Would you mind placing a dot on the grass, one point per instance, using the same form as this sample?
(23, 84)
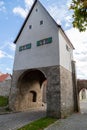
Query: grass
(3, 101)
(39, 124)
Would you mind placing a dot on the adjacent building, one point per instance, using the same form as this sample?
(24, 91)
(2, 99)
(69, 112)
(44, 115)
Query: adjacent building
(5, 84)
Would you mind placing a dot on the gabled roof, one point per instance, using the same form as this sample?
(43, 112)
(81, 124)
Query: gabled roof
(25, 21)
(51, 18)
(3, 77)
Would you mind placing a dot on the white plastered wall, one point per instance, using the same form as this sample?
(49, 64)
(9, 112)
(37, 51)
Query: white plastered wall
(66, 56)
(42, 56)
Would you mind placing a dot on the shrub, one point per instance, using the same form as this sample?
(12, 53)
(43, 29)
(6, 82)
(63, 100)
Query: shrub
(3, 101)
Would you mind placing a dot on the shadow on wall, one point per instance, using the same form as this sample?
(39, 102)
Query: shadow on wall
(31, 90)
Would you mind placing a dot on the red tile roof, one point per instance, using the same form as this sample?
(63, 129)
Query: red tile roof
(3, 77)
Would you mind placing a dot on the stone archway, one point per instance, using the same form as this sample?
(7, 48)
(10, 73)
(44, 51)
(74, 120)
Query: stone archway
(29, 95)
(82, 88)
(83, 94)
(81, 84)
(20, 90)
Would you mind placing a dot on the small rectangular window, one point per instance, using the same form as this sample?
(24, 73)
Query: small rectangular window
(30, 26)
(67, 48)
(25, 47)
(28, 46)
(36, 10)
(41, 22)
(44, 41)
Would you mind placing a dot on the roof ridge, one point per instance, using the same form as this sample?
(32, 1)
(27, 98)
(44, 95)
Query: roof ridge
(3, 77)
(25, 21)
(49, 15)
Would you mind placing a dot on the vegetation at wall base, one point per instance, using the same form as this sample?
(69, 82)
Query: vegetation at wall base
(3, 101)
(39, 124)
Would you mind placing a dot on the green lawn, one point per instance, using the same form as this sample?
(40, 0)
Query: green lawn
(3, 101)
(39, 124)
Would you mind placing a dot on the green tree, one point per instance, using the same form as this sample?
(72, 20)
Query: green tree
(79, 8)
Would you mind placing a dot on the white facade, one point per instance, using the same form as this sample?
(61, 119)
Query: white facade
(45, 55)
(65, 52)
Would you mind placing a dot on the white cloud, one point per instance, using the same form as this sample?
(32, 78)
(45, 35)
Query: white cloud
(20, 11)
(23, 11)
(79, 41)
(8, 56)
(1, 54)
(28, 3)
(61, 13)
(68, 3)
(10, 45)
(68, 19)
(2, 7)
(5, 55)
(8, 69)
(54, 11)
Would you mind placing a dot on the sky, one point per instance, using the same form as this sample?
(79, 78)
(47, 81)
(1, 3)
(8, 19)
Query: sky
(12, 16)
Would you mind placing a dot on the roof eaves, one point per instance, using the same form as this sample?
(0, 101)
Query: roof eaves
(25, 22)
(59, 26)
(66, 37)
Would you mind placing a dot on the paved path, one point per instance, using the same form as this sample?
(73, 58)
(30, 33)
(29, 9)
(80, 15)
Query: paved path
(83, 106)
(16, 120)
(76, 121)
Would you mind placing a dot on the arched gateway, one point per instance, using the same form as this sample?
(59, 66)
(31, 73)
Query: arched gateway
(82, 93)
(81, 84)
(44, 70)
(29, 90)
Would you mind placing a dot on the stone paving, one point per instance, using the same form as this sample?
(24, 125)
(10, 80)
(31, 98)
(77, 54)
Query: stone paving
(16, 120)
(83, 106)
(76, 121)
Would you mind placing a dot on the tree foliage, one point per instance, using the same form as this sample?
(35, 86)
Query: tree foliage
(80, 14)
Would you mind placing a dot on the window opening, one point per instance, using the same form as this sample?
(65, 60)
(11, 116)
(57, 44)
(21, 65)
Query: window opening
(67, 48)
(36, 10)
(30, 26)
(34, 96)
(41, 22)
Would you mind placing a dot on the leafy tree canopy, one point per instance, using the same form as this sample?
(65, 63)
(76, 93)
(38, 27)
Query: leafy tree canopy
(80, 14)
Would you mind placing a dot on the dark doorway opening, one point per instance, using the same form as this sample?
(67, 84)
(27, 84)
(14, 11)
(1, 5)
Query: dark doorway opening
(34, 96)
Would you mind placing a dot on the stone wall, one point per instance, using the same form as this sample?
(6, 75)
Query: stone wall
(75, 88)
(81, 83)
(59, 92)
(52, 91)
(5, 88)
(67, 100)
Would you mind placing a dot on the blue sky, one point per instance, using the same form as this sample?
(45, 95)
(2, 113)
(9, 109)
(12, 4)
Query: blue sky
(12, 15)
